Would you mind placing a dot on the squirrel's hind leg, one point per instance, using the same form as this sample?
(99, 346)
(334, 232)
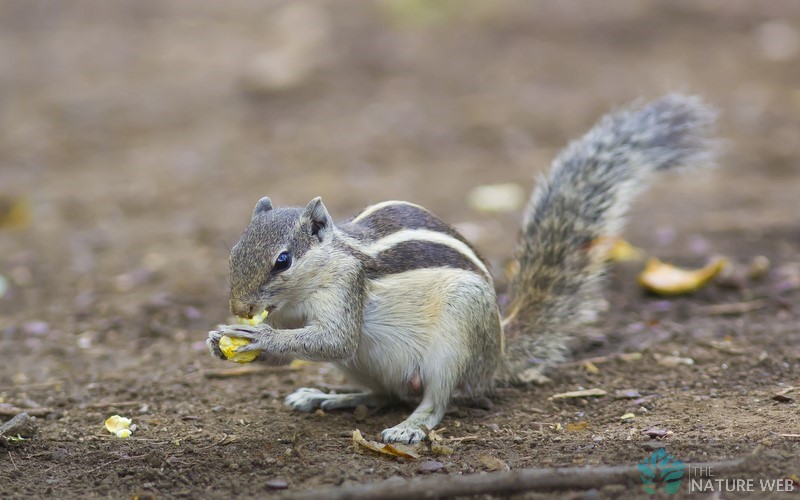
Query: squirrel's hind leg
(306, 400)
(428, 414)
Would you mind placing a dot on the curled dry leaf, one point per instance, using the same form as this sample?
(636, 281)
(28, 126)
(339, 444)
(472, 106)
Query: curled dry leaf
(579, 394)
(393, 450)
(665, 279)
(590, 367)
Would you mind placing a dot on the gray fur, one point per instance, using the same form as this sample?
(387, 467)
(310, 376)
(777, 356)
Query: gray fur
(584, 199)
(264, 205)
(405, 307)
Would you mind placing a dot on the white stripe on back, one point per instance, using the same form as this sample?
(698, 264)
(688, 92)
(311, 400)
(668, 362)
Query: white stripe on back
(378, 206)
(405, 235)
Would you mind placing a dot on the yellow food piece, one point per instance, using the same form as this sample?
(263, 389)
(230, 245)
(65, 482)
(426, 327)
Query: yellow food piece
(123, 433)
(665, 279)
(115, 423)
(228, 347)
(255, 320)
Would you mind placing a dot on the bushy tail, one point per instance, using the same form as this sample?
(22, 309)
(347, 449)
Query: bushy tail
(580, 207)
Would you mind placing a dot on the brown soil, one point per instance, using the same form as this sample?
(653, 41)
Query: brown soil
(141, 133)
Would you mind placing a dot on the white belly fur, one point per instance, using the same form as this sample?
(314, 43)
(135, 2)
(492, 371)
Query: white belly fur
(410, 328)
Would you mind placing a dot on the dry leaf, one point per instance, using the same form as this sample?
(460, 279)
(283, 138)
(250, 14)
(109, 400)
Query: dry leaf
(441, 450)
(15, 213)
(577, 427)
(579, 394)
(492, 463)
(665, 279)
(590, 367)
(394, 450)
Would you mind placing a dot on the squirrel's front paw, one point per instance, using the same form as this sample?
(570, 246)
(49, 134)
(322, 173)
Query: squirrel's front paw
(257, 335)
(213, 344)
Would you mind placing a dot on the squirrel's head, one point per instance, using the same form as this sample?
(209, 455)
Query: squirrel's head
(280, 259)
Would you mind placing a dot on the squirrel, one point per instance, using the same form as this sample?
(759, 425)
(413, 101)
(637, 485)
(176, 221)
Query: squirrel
(405, 306)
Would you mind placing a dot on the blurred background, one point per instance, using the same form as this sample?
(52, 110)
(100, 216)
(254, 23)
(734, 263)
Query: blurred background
(136, 136)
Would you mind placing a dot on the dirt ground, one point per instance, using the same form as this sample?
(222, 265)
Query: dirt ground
(138, 135)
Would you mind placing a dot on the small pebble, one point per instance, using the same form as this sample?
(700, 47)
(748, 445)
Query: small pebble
(277, 484)
(429, 466)
(36, 327)
(626, 394)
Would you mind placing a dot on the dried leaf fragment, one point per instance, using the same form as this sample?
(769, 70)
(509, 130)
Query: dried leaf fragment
(577, 427)
(393, 450)
(590, 367)
(666, 279)
(579, 394)
(15, 213)
(493, 463)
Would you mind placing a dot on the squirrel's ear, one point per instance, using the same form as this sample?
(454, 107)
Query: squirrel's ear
(316, 219)
(263, 206)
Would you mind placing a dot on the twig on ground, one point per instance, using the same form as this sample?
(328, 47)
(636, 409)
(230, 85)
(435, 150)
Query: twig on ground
(568, 478)
(110, 404)
(22, 425)
(734, 308)
(10, 411)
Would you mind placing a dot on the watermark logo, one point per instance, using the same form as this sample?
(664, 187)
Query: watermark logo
(661, 468)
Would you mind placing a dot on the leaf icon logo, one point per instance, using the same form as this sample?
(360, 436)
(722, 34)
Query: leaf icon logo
(661, 467)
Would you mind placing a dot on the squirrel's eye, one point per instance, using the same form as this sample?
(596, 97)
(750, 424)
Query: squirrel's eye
(283, 262)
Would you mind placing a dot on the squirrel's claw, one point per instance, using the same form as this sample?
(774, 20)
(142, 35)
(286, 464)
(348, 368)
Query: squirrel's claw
(213, 344)
(255, 334)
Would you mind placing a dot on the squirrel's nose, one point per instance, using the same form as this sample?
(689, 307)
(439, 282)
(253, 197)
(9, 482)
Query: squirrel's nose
(242, 309)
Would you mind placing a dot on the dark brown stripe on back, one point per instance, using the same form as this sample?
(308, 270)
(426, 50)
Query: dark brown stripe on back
(411, 255)
(393, 218)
